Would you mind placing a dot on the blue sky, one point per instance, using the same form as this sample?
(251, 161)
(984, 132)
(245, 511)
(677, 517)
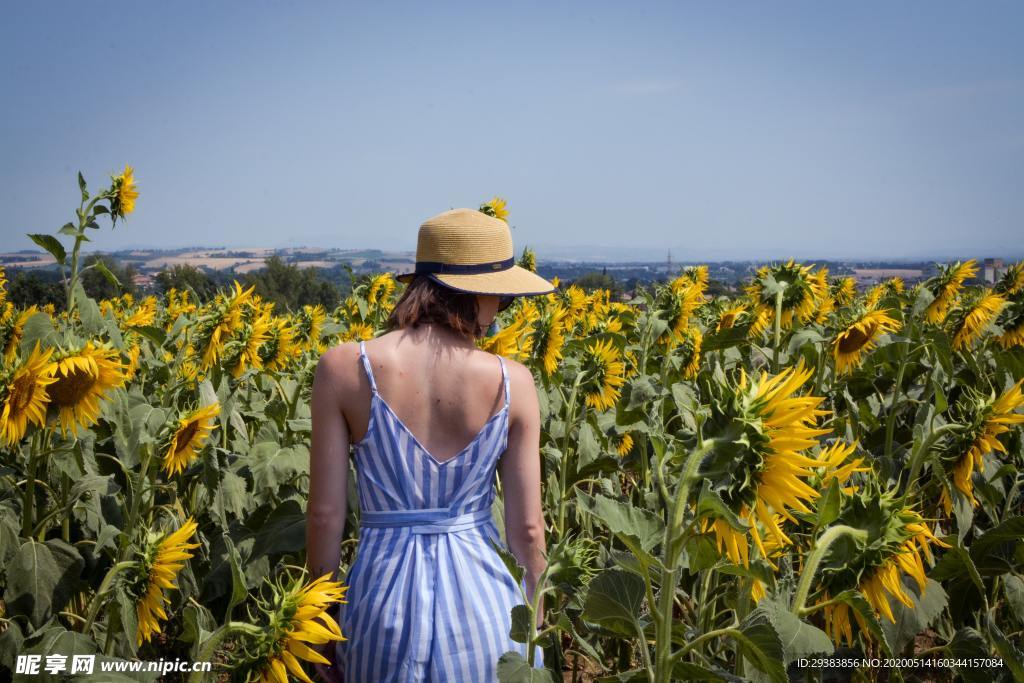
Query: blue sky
(807, 129)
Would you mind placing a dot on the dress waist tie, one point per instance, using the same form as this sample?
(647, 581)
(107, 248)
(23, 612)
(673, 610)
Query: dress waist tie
(425, 520)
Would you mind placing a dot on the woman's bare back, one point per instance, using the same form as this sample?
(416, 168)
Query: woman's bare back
(443, 393)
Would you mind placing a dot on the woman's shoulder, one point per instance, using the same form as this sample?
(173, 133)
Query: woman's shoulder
(337, 361)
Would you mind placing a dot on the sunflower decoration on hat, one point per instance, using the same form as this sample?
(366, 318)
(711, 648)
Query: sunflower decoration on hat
(471, 251)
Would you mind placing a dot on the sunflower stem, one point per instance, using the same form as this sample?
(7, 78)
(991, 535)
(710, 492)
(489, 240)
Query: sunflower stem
(570, 418)
(29, 503)
(675, 536)
(778, 329)
(821, 546)
(922, 451)
(97, 600)
(890, 425)
(210, 644)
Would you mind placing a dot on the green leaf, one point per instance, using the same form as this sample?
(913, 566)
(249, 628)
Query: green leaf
(154, 334)
(88, 311)
(283, 531)
(520, 630)
(967, 643)
(685, 671)
(41, 578)
(639, 529)
(513, 668)
(910, 622)
(39, 327)
(1013, 658)
(828, 505)
(759, 642)
(1013, 588)
(81, 186)
(711, 504)
(111, 278)
(1008, 532)
(799, 639)
(614, 600)
(273, 466)
(239, 590)
(52, 245)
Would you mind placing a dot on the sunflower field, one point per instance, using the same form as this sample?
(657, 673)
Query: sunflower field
(733, 485)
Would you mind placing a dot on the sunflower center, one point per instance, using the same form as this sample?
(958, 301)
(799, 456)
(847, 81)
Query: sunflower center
(71, 388)
(185, 436)
(853, 340)
(21, 392)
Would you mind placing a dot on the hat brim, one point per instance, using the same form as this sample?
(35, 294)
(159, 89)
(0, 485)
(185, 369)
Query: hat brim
(514, 281)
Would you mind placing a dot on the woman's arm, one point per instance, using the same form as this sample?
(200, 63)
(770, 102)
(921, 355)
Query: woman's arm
(328, 471)
(519, 468)
(328, 486)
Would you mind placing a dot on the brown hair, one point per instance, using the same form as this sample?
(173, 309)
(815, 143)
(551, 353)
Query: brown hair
(425, 301)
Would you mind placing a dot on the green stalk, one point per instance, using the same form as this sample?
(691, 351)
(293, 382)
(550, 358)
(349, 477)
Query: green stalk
(814, 559)
(570, 418)
(890, 425)
(778, 329)
(29, 503)
(215, 639)
(922, 451)
(97, 600)
(673, 543)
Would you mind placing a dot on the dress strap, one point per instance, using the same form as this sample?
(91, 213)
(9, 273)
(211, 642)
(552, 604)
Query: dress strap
(504, 378)
(366, 366)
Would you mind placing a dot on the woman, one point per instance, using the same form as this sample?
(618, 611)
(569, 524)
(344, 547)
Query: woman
(428, 598)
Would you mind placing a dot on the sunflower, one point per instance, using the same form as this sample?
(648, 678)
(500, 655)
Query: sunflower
(689, 351)
(358, 332)
(945, 286)
(495, 207)
(379, 291)
(622, 443)
(1012, 281)
(12, 328)
(1011, 320)
(3, 285)
(83, 378)
(859, 337)
(222, 318)
(897, 537)
(844, 290)
(161, 565)
(697, 276)
(986, 419)
(299, 616)
(838, 465)
(549, 338)
(528, 260)
(514, 340)
(974, 318)
(280, 349)
(603, 370)
(143, 315)
(192, 432)
(23, 396)
(247, 345)
(801, 291)
(310, 324)
(123, 193)
(728, 318)
(761, 469)
(679, 301)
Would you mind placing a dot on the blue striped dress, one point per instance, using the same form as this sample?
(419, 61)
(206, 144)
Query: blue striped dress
(428, 598)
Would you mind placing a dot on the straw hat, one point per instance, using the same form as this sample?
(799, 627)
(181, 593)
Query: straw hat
(469, 251)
